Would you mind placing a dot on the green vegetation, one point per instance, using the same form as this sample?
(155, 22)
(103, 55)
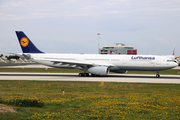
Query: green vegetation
(24, 102)
(57, 70)
(164, 72)
(90, 100)
(5, 63)
(40, 70)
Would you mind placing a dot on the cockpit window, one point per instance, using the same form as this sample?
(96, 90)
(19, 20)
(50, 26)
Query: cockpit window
(171, 61)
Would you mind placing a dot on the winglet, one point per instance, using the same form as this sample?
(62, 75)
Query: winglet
(26, 45)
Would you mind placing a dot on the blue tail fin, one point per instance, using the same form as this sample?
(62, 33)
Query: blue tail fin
(26, 45)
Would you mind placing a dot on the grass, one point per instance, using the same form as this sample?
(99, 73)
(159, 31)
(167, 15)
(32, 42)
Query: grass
(57, 70)
(164, 72)
(90, 100)
(40, 70)
(6, 63)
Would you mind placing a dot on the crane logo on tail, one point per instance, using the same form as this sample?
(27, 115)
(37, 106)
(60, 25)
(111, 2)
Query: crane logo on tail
(24, 42)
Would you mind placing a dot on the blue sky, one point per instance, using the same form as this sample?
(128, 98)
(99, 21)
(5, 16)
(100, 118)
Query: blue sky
(61, 26)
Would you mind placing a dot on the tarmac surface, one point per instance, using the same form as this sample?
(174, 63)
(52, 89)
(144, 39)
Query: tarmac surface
(33, 65)
(130, 78)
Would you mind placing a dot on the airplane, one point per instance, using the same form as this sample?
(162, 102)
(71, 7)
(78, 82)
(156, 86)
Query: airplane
(1, 60)
(172, 56)
(13, 60)
(22, 60)
(95, 64)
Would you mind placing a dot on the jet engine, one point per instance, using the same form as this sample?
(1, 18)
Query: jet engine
(99, 70)
(117, 70)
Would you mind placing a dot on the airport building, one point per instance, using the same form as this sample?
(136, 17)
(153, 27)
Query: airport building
(118, 48)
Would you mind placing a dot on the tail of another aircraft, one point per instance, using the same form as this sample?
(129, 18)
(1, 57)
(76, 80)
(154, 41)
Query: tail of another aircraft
(173, 51)
(26, 45)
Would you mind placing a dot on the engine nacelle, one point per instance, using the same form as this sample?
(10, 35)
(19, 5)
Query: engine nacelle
(99, 70)
(117, 70)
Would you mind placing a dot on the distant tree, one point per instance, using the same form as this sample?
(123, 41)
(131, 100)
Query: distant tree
(12, 57)
(1, 55)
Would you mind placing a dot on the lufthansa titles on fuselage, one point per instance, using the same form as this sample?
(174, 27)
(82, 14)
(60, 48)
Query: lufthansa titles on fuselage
(142, 58)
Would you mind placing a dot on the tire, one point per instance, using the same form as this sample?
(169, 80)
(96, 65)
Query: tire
(86, 74)
(81, 74)
(93, 75)
(157, 75)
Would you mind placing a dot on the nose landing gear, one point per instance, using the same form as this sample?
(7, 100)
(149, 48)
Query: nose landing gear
(158, 75)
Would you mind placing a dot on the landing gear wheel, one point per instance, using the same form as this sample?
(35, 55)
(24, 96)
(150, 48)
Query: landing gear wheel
(93, 75)
(157, 75)
(86, 74)
(81, 74)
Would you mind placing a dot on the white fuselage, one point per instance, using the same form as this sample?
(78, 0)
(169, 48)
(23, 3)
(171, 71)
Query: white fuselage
(123, 62)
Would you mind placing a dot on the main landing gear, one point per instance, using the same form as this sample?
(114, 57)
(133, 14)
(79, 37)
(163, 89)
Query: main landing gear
(87, 75)
(83, 74)
(157, 75)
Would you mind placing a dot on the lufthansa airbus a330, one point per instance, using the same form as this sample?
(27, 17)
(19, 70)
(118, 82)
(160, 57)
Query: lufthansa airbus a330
(96, 64)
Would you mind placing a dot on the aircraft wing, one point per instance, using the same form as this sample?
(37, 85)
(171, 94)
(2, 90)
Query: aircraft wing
(77, 63)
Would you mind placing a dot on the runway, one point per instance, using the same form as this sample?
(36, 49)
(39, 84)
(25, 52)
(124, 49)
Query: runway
(130, 78)
(33, 65)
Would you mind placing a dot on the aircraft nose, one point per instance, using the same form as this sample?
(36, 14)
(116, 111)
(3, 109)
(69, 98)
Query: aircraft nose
(175, 64)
